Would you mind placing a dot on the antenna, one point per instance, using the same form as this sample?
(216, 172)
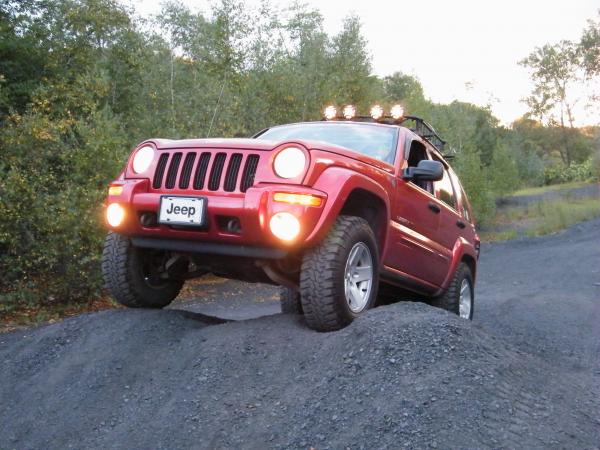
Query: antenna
(217, 105)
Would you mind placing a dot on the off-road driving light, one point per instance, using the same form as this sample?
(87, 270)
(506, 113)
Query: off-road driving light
(376, 112)
(285, 226)
(142, 159)
(297, 199)
(115, 214)
(397, 112)
(330, 112)
(349, 112)
(289, 162)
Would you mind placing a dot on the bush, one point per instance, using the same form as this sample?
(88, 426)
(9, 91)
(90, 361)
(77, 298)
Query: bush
(476, 182)
(54, 174)
(504, 172)
(589, 170)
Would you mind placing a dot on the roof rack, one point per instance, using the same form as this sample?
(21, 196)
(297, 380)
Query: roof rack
(425, 130)
(418, 126)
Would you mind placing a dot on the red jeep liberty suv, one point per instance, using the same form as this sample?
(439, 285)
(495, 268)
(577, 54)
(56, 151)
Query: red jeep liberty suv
(333, 211)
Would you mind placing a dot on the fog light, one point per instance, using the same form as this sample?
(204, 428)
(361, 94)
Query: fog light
(285, 226)
(115, 214)
(148, 219)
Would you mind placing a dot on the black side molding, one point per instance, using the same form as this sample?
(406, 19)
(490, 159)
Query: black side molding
(188, 246)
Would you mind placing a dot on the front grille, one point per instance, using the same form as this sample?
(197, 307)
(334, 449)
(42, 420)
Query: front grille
(206, 170)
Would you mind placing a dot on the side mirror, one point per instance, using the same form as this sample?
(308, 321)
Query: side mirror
(426, 170)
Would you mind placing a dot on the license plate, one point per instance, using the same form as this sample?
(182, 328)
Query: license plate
(176, 210)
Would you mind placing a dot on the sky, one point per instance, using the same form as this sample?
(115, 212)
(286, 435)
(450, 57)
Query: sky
(465, 50)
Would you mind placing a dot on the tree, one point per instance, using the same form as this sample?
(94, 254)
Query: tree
(350, 66)
(400, 87)
(589, 48)
(555, 69)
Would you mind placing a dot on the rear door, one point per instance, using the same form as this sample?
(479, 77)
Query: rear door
(451, 221)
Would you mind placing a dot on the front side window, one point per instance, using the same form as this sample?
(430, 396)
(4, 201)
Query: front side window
(376, 141)
(418, 153)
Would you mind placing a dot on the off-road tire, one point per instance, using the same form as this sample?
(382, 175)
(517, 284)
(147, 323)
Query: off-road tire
(322, 275)
(289, 299)
(121, 268)
(450, 299)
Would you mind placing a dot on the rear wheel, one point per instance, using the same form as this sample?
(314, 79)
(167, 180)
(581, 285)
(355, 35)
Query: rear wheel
(340, 276)
(459, 298)
(137, 277)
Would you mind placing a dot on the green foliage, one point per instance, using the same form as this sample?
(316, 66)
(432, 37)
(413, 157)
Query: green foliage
(585, 171)
(504, 172)
(50, 203)
(589, 47)
(476, 181)
(82, 81)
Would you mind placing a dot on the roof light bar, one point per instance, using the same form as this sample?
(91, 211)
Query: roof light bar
(349, 112)
(330, 112)
(376, 112)
(397, 112)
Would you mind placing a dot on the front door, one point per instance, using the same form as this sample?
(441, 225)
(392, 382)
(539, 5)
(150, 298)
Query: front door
(415, 219)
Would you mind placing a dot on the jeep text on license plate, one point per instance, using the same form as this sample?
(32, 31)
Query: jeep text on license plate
(176, 210)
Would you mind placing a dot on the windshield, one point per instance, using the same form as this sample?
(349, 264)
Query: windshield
(376, 141)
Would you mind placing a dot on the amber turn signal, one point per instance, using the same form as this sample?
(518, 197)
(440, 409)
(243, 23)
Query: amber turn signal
(298, 199)
(115, 190)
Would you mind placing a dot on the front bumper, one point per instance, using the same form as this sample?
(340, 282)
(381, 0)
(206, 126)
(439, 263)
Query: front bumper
(253, 209)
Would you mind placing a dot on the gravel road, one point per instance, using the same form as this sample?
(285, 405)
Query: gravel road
(524, 374)
(589, 191)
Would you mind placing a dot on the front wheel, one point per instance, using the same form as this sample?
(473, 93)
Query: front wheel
(459, 298)
(137, 277)
(289, 300)
(340, 276)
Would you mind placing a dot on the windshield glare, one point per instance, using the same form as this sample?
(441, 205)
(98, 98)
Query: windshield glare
(376, 141)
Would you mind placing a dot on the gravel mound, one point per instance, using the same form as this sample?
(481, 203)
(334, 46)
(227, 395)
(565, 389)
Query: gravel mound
(404, 376)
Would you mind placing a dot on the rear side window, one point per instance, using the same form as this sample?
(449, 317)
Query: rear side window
(445, 191)
(465, 208)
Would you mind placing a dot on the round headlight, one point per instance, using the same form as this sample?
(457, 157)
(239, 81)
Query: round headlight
(289, 163)
(142, 159)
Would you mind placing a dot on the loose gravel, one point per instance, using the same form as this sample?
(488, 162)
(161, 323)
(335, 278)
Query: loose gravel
(403, 376)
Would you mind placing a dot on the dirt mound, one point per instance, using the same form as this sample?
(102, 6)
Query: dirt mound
(405, 375)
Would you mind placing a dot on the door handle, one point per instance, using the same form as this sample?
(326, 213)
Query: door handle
(460, 224)
(435, 208)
